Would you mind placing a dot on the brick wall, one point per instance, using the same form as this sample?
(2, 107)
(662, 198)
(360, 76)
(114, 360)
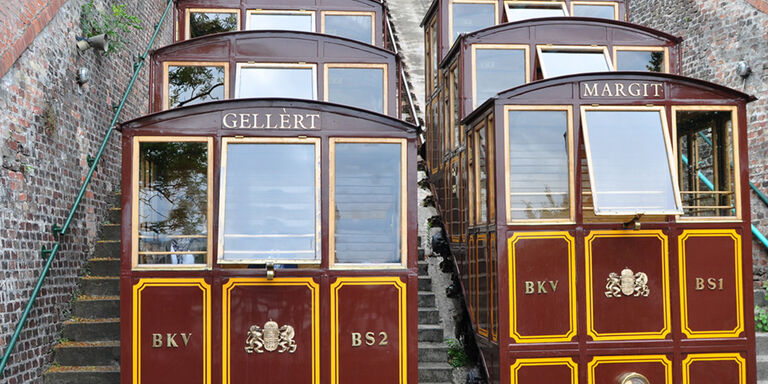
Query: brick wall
(48, 126)
(719, 34)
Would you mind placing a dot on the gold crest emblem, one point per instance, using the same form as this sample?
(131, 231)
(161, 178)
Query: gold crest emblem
(627, 283)
(270, 338)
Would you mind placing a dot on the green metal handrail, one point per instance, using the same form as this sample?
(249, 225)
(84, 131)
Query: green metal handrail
(61, 231)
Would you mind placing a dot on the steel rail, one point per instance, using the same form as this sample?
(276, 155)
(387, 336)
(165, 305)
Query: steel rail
(61, 231)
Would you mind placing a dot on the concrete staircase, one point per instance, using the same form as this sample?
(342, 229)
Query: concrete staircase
(89, 349)
(433, 352)
(761, 344)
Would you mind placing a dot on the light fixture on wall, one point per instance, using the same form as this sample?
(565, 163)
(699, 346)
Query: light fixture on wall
(83, 75)
(98, 42)
(743, 69)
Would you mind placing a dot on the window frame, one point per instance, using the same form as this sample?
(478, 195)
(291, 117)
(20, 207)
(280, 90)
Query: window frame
(495, 4)
(332, 141)
(136, 143)
(454, 84)
(316, 142)
(372, 14)
(571, 165)
(165, 105)
(736, 161)
(544, 4)
(188, 14)
(475, 47)
(241, 65)
(573, 48)
(640, 48)
(603, 3)
(260, 11)
(671, 159)
(384, 69)
(487, 124)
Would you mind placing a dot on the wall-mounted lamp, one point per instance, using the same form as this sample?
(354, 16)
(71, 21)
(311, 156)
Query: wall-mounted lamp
(83, 75)
(98, 42)
(743, 69)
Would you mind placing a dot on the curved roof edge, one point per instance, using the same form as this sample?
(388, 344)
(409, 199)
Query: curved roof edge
(267, 33)
(533, 86)
(216, 106)
(592, 20)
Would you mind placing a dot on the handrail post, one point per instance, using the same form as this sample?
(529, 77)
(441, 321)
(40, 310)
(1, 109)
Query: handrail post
(61, 231)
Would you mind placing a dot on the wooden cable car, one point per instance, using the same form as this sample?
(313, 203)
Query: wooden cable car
(269, 236)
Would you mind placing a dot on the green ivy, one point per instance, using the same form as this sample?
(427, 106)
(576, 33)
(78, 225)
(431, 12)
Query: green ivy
(761, 319)
(456, 355)
(116, 24)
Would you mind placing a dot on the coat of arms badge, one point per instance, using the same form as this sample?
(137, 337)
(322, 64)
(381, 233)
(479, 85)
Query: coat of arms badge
(270, 338)
(627, 284)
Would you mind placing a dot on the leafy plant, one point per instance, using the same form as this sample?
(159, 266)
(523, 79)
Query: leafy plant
(456, 355)
(115, 24)
(761, 319)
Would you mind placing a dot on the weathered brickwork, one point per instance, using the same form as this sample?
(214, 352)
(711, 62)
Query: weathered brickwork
(22, 21)
(719, 34)
(48, 126)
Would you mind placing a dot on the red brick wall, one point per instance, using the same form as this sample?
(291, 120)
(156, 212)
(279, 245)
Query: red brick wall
(760, 4)
(20, 22)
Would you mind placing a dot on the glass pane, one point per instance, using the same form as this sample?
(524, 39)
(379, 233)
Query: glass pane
(598, 11)
(276, 82)
(518, 12)
(640, 61)
(173, 203)
(355, 27)
(498, 70)
(456, 107)
(560, 63)
(705, 150)
(192, 84)
(359, 87)
(288, 21)
(471, 17)
(482, 175)
(206, 23)
(270, 202)
(367, 211)
(538, 165)
(629, 163)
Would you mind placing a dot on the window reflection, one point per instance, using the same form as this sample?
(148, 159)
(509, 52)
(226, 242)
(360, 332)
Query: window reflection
(561, 62)
(629, 163)
(497, 70)
(652, 61)
(206, 23)
(539, 186)
(287, 21)
(519, 12)
(469, 17)
(596, 11)
(705, 159)
(358, 87)
(272, 81)
(367, 203)
(355, 27)
(270, 202)
(194, 84)
(172, 202)
(481, 155)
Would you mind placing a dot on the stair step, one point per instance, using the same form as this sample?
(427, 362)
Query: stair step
(91, 330)
(429, 316)
(436, 352)
(115, 199)
(423, 265)
(104, 266)
(100, 286)
(110, 232)
(431, 332)
(435, 372)
(762, 367)
(96, 307)
(107, 249)
(114, 215)
(82, 375)
(426, 299)
(425, 283)
(90, 353)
